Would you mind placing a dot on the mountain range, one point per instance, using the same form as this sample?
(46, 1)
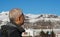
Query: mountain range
(35, 21)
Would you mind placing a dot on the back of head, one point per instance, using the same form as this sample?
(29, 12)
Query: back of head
(16, 16)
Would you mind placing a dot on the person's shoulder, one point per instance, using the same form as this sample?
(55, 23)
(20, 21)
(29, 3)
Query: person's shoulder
(8, 27)
(21, 29)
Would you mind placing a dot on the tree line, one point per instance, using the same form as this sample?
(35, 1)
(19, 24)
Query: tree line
(47, 34)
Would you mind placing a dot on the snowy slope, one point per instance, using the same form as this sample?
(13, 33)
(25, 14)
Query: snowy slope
(32, 17)
(4, 16)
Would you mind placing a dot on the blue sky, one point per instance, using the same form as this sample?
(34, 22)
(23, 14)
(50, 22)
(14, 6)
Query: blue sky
(32, 6)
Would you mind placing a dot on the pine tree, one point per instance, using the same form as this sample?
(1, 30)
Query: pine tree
(52, 34)
(47, 34)
(42, 34)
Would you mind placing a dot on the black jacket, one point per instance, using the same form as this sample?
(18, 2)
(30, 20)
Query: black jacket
(10, 30)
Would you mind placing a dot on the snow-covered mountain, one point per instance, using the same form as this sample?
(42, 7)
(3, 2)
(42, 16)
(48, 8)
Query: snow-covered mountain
(4, 16)
(42, 21)
(35, 20)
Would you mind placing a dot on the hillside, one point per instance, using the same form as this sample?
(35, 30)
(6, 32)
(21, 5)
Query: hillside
(35, 21)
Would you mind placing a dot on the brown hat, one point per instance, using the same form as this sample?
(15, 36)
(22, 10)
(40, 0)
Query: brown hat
(16, 16)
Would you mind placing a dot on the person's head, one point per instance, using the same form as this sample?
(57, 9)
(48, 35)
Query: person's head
(16, 16)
